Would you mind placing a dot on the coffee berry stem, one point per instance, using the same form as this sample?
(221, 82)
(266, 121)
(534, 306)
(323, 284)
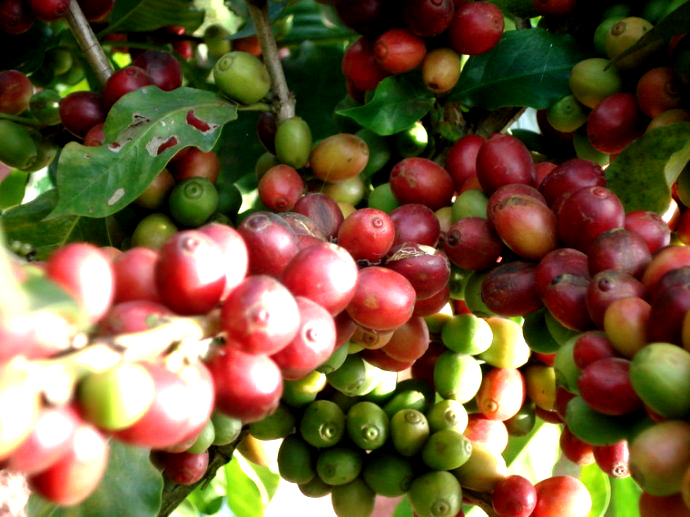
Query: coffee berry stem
(88, 43)
(21, 120)
(269, 50)
(189, 335)
(481, 499)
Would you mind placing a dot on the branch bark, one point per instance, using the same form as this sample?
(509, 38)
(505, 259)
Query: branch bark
(88, 43)
(269, 50)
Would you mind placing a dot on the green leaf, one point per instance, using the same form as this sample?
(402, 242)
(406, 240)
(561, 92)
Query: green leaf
(599, 488)
(144, 130)
(625, 495)
(243, 495)
(643, 174)
(148, 15)
(25, 224)
(307, 20)
(404, 508)
(130, 486)
(28, 48)
(300, 67)
(43, 294)
(527, 68)
(534, 454)
(399, 101)
(12, 188)
(269, 479)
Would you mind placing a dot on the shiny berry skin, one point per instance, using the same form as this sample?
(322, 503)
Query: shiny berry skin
(190, 273)
(476, 28)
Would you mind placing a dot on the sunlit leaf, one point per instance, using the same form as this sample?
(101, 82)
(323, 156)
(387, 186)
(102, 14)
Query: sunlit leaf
(625, 496)
(243, 495)
(599, 488)
(643, 174)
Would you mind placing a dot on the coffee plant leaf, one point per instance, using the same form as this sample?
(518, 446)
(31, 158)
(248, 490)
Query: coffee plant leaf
(239, 8)
(599, 488)
(317, 110)
(527, 68)
(131, 485)
(625, 496)
(144, 130)
(643, 174)
(148, 15)
(306, 22)
(28, 48)
(12, 188)
(245, 494)
(25, 224)
(398, 102)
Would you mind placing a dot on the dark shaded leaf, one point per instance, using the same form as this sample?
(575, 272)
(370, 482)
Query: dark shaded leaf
(329, 82)
(527, 68)
(148, 15)
(398, 102)
(130, 486)
(27, 48)
(12, 188)
(144, 130)
(643, 174)
(25, 224)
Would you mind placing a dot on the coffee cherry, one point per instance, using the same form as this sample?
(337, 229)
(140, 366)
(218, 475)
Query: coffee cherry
(476, 28)
(162, 67)
(280, 187)
(76, 474)
(82, 110)
(190, 273)
(242, 77)
(16, 17)
(398, 51)
(293, 142)
(15, 92)
(260, 316)
(49, 10)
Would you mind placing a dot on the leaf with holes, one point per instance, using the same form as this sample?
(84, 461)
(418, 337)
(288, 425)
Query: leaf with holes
(144, 130)
(148, 15)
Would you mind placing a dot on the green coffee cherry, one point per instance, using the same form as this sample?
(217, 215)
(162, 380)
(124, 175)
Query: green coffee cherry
(17, 148)
(45, 106)
(116, 398)
(193, 201)
(293, 142)
(242, 77)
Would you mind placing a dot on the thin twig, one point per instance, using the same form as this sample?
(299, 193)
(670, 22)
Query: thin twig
(88, 43)
(269, 50)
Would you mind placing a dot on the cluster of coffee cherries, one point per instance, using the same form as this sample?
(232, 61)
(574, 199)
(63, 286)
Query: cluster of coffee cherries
(419, 34)
(616, 96)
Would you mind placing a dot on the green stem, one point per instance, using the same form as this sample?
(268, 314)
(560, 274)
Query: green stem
(21, 120)
(269, 50)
